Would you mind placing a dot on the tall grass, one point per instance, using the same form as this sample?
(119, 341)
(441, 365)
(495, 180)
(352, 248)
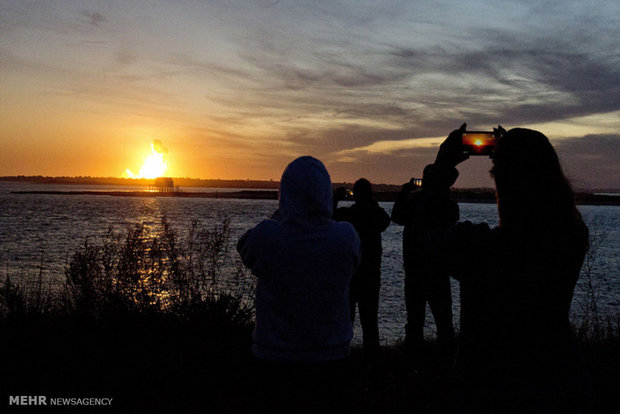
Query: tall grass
(19, 300)
(592, 324)
(151, 316)
(146, 271)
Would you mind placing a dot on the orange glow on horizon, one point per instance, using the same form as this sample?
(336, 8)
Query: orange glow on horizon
(155, 165)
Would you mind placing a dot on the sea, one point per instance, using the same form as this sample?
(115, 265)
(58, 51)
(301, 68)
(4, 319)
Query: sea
(39, 233)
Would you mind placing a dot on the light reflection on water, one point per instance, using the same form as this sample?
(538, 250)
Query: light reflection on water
(40, 232)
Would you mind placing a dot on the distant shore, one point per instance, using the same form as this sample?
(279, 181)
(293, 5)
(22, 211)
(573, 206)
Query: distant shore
(462, 196)
(243, 194)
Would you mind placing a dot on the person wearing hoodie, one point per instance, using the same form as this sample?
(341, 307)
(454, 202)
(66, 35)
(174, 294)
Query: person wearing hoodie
(303, 262)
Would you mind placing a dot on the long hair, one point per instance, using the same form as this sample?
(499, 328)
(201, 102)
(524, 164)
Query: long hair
(533, 195)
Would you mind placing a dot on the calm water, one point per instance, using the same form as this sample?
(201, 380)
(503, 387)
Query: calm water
(41, 232)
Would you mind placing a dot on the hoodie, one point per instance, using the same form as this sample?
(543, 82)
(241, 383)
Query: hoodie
(304, 262)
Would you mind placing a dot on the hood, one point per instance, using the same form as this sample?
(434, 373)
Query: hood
(306, 192)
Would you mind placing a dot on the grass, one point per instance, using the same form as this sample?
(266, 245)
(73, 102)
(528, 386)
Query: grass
(138, 314)
(593, 325)
(158, 321)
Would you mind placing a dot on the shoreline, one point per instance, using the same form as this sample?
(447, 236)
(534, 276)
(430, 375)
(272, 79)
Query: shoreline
(244, 194)
(385, 196)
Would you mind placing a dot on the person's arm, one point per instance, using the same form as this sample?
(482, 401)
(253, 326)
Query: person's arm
(247, 248)
(460, 250)
(450, 152)
(442, 174)
(382, 219)
(462, 247)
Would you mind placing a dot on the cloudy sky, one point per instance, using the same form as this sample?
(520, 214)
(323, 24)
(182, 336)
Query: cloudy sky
(237, 89)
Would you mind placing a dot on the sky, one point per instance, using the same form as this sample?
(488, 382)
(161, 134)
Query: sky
(237, 89)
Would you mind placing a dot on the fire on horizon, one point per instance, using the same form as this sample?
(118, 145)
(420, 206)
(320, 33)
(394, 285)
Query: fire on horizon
(154, 165)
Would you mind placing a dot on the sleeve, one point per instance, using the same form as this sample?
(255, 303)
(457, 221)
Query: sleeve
(248, 248)
(356, 247)
(382, 219)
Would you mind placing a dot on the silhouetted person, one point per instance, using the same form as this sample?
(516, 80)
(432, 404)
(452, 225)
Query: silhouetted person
(516, 353)
(369, 220)
(304, 262)
(429, 208)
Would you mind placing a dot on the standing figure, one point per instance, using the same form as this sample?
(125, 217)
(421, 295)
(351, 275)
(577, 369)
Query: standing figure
(422, 211)
(369, 221)
(516, 350)
(304, 262)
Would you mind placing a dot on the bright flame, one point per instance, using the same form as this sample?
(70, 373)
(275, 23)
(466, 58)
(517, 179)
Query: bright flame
(154, 166)
(478, 142)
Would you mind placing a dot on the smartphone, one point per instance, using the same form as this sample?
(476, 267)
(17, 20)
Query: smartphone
(478, 143)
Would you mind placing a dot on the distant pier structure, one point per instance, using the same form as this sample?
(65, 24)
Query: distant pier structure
(164, 185)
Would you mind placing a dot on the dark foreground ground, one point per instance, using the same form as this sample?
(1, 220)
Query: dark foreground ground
(154, 366)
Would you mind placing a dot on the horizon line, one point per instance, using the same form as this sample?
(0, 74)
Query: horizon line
(240, 180)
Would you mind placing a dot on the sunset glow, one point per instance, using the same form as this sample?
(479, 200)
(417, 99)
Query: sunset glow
(478, 142)
(154, 165)
(371, 90)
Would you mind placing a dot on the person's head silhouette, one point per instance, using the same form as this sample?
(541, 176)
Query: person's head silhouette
(532, 190)
(362, 191)
(430, 180)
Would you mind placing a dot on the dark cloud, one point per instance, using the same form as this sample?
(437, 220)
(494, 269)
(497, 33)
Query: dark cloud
(394, 168)
(542, 86)
(590, 82)
(429, 91)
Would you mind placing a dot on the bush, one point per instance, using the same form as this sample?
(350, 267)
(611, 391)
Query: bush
(144, 316)
(156, 273)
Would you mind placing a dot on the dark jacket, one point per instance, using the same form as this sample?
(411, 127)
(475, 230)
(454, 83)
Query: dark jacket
(369, 221)
(516, 290)
(421, 211)
(304, 262)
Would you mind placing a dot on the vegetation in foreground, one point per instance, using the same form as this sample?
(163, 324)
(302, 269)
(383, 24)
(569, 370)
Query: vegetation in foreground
(155, 321)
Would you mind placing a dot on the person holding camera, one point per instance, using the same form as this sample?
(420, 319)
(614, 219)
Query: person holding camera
(516, 352)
